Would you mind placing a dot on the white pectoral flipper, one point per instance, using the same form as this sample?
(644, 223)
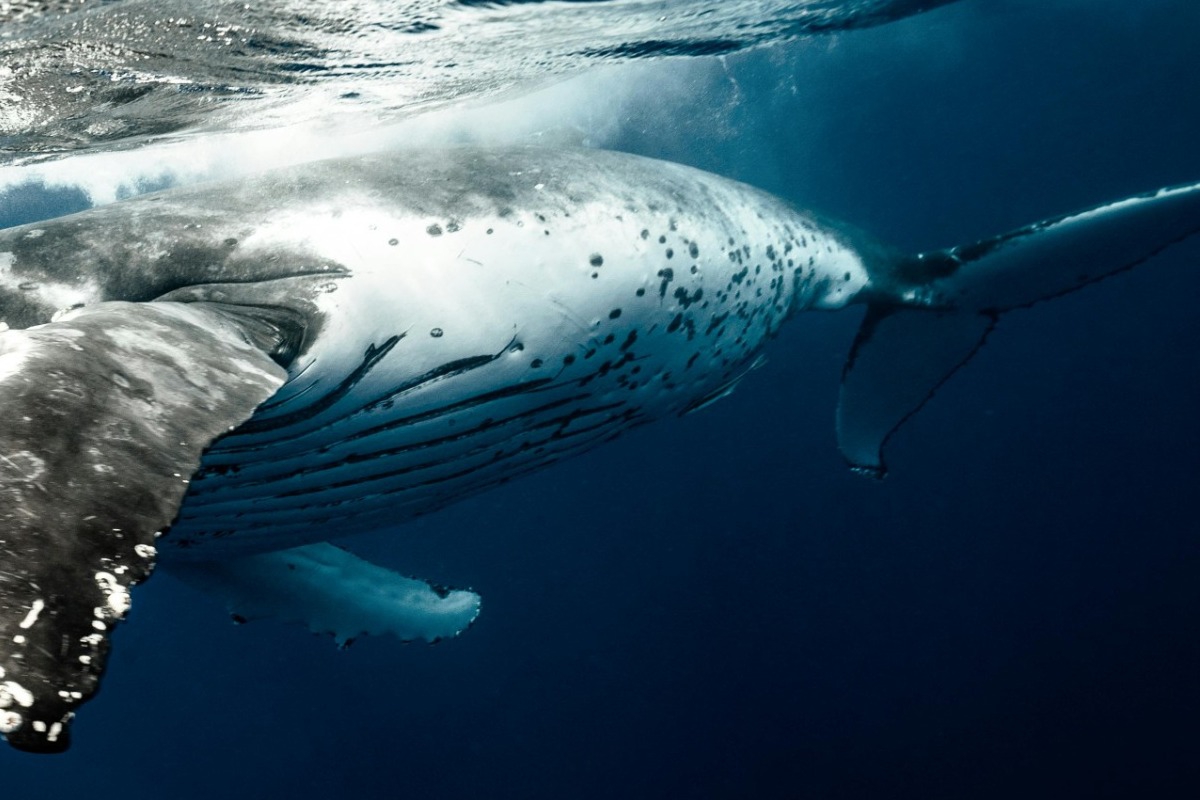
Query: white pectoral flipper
(929, 314)
(332, 591)
(106, 413)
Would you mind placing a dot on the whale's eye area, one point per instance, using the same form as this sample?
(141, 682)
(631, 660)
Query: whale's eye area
(279, 332)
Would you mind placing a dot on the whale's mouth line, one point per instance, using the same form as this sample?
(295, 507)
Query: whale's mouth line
(334, 272)
(255, 274)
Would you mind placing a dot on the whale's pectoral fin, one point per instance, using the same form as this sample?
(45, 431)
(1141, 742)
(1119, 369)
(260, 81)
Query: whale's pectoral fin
(899, 359)
(930, 313)
(106, 413)
(332, 591)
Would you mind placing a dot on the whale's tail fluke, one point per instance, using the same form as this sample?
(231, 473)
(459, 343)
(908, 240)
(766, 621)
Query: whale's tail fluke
(930, 313)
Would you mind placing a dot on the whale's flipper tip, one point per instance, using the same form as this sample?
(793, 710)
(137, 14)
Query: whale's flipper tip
(106, 414)
(332, 591)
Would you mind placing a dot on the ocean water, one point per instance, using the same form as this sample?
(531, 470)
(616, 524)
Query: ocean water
(714, 607)
(77, 74)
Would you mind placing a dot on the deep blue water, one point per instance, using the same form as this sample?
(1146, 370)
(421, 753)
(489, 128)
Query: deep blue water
(715, 607)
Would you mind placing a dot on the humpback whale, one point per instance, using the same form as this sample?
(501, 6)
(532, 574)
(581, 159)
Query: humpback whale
(223, 378)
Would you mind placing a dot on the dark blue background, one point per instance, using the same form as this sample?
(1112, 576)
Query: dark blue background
(715, 607)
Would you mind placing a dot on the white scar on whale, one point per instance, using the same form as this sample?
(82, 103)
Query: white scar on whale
(245, 370)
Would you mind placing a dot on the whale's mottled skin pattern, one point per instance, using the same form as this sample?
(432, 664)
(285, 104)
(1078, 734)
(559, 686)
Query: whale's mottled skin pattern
(498, 311)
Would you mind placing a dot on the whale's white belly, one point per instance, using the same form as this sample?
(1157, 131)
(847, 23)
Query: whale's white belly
(465, 350)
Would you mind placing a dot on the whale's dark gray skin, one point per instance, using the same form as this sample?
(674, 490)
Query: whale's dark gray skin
(222, 377)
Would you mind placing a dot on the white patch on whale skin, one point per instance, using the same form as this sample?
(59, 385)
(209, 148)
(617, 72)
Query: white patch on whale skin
(10, 721)
(850, 277)
(32, 617)
(13, 350)
(57, 294)
(13, 692)
(116, 594)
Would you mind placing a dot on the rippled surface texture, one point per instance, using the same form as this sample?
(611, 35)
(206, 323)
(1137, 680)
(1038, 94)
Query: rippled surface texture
(97, 72)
